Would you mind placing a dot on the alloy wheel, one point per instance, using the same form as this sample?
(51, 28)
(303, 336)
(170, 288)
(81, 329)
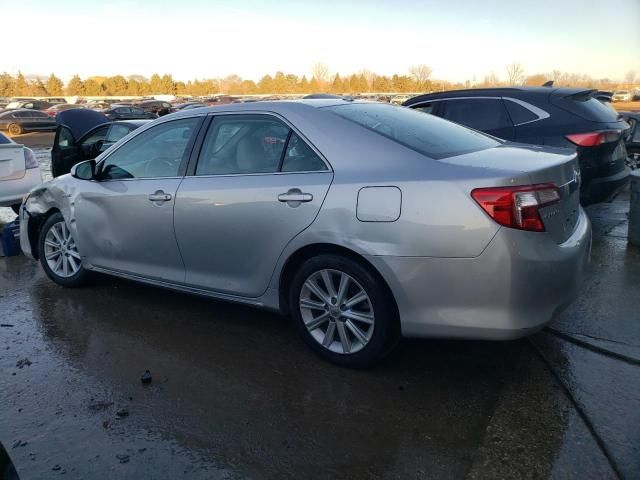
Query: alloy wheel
(60, 251)
(337, 311)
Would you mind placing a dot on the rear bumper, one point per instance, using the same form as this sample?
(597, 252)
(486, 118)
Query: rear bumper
(512, 289)
(12, 191)
(600, 189)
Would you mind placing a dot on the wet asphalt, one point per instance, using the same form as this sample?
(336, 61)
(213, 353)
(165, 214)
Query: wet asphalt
(235, 393)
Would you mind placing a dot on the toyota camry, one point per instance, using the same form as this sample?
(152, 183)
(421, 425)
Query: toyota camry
(364, 222)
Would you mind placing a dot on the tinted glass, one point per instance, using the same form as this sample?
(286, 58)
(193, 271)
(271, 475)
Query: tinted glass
(427, 134)
(157, 152)
(518, 113)
(299, 157)
(137, 111)
(587, 107)
(65, 139)
(424, 107)
(479, 113)
(98, 135)
(241, 144)
(116, 132)
(4, 140)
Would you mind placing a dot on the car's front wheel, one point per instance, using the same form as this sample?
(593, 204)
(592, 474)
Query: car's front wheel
(59, 254)
(342, 311)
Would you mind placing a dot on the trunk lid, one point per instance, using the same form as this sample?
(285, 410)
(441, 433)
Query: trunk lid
(511, 164)
(12, 163)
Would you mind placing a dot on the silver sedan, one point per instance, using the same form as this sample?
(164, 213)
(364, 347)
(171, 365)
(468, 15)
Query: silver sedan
(365, 222)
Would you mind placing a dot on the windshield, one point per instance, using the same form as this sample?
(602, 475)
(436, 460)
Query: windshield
(422, 132)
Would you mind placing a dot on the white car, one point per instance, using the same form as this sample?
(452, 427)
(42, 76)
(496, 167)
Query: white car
(622, 96)
(19, 172)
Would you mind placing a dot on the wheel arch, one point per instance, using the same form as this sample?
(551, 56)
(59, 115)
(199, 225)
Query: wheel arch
(298, 257)
(36, 221)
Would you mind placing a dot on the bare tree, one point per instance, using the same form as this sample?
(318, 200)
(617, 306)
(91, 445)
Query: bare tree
(321, 73)
(421, 74)
(515, 74)
(630, 77)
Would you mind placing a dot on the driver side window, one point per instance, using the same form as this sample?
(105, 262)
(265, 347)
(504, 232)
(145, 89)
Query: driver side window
(156, 152)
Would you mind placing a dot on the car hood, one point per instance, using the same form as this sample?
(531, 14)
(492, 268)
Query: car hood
(80, 121)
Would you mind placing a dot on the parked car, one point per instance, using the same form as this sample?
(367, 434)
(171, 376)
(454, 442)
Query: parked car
(633, 137)
(158, 107)
(29, 105)
(558, 117)
(17, 122)
(84, 134)
(55, 109)
(388, 222)
(187, 105)
(19, 172)
(128, 113)
(622, 96)
(216, 101)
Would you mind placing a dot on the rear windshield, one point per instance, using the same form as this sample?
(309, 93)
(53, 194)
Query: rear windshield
(423, 132)
(586, 106)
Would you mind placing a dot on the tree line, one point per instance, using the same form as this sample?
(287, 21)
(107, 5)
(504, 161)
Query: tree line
(418, 79)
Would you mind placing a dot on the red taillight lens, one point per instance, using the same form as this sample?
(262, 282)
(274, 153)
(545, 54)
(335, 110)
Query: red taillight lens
(517, 207)
(593, 139)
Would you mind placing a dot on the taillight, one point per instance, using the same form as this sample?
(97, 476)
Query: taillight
(593, 139)
(29, 159)
(517, 207)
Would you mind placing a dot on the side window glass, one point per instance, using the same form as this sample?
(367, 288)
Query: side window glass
(98, 135)
(116, 132)
(299, 157)
(157, 152)
(482, 113)
(242, 144)
(425, 107)
(518, 113)
(65, 139)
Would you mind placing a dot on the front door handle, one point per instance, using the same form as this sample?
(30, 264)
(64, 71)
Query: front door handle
(159, 197)
(295, 195)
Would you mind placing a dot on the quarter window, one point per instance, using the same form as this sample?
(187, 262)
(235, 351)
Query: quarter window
(299, 157)
(519, 114)
(156, 152)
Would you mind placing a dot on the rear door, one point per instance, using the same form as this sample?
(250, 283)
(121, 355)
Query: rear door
(256, 185)
(488, 115)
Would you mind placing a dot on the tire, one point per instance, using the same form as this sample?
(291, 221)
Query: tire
(371, 325)
(53, 230)
(16, 208)
(15, 129)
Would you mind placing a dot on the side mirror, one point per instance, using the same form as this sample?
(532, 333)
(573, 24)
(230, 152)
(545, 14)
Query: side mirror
(84, 170)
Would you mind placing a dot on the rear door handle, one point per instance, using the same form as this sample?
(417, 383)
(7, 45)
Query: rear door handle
(159, 197)
(295, 195)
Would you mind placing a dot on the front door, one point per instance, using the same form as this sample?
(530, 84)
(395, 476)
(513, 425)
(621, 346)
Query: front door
(125, 217)
(256, 185)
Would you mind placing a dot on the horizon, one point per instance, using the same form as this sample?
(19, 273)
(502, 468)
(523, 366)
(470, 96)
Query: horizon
(292, 37)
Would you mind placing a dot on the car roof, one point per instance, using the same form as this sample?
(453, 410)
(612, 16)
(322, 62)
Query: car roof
(501, 91)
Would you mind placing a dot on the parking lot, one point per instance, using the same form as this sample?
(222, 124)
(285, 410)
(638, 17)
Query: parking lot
(235, 394)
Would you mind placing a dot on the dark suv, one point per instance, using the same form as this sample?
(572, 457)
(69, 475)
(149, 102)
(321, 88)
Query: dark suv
(561, 117)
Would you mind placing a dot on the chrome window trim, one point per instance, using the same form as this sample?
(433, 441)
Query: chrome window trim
(538, 112)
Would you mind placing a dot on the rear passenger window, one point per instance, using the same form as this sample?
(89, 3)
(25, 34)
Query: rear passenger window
(242, 144)
(481, 113)
(518, 113)
(424, 107)
(299, 157)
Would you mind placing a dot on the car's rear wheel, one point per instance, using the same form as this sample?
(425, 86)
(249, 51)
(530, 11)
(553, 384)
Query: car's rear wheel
(342, 311)
(15, 129)
(59, 254)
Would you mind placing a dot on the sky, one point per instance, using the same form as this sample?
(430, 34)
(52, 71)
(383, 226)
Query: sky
(459, 39)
